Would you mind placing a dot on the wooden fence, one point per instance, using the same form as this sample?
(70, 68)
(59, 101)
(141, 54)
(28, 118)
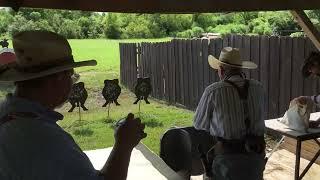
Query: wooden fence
(179, 70)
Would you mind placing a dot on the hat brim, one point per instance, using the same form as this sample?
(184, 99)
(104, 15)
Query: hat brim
(215, 64)
(13, 75)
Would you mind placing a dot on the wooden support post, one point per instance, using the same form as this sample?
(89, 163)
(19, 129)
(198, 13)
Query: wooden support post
(307, 26)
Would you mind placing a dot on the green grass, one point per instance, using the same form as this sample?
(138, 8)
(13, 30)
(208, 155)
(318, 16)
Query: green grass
(95, 129)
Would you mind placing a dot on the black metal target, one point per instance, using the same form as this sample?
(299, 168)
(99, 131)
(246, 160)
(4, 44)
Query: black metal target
(143, 89)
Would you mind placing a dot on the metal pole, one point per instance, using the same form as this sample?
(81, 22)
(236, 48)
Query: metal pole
(298, 153)
(109, 109)
(79, 112)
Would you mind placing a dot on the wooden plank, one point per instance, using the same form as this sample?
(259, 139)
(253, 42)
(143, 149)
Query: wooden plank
(255, 56)
(205, 63)
(285, 73)
(305, 23)
(180, 79)
(169, 75)
(121, 63)
(143, 60)
(149, 64)
(126, 65)
(161, 70)
(185, 72)
(153, 69)
(133, 65)
(166, 71)
(195, 70)
(226, 41)
(274, 60)
(264, 70)
(246, 52)
(190, 72)
(200, 70)
(308, 148)
(165, 6)
(238, 42)
(174, 64)
(139, 61)
(177, 71)
(297, 62)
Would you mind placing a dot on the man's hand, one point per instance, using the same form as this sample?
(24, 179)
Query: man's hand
(127, 135)
(129, 132)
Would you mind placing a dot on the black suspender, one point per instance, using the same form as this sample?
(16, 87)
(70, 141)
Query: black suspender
(243, 94)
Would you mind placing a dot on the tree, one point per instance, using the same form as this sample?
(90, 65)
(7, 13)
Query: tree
(70, 29)
(112, 29)
(5, 18)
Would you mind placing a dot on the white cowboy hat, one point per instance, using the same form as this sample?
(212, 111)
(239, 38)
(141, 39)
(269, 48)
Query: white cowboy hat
(230, 57)
(38, 54)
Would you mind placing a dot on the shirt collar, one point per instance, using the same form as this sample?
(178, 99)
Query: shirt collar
(13, 104)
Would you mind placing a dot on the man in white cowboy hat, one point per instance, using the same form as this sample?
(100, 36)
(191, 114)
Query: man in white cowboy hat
(32, 145)
(229, 115)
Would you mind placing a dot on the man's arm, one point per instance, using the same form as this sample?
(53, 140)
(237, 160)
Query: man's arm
(204, 112)
(127, 136)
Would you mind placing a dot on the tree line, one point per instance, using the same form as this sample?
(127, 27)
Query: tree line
(83, 25)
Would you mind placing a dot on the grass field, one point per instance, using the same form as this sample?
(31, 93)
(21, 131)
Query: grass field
(95, 129)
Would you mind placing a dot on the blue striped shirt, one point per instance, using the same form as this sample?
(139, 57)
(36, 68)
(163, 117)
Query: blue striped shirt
(221, 112)
(37, 148)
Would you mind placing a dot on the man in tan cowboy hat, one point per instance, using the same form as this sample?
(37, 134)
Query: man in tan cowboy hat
(32, 145)
(229, 115)
(311, 67)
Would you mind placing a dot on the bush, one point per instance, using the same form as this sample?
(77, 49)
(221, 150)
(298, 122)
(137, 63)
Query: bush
(185, 34)
(260, 26)
(229, 28)
(197, 31)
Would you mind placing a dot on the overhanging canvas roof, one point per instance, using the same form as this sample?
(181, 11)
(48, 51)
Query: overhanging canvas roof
(167, 6)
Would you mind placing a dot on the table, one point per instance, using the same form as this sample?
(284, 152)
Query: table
(144, 164)
(274, 125)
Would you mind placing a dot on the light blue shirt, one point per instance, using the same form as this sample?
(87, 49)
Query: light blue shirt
(36, 148)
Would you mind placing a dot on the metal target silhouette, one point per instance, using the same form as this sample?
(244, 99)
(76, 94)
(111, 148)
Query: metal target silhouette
(143, 89)
(111, 92)
(78, 96)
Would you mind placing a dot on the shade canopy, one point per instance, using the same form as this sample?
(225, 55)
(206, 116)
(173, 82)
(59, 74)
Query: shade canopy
(166, 6)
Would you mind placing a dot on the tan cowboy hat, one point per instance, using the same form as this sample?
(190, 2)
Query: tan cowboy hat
(230, 57)
(38, 54)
